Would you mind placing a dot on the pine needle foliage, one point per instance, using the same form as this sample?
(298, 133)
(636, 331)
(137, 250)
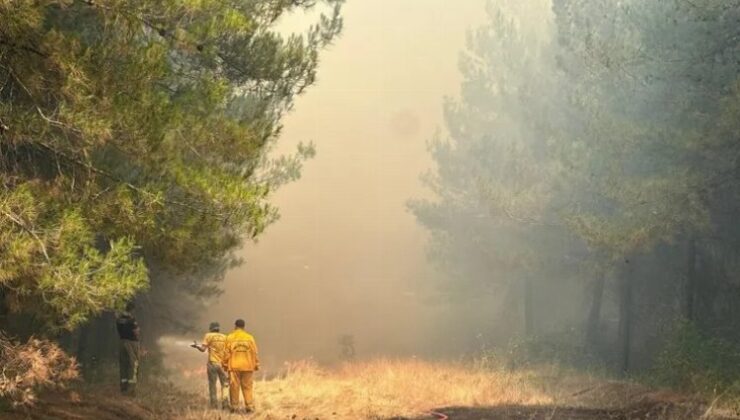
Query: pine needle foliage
(131, 137)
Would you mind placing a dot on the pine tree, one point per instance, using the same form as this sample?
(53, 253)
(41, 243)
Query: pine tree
(133, 135)
(494, 218)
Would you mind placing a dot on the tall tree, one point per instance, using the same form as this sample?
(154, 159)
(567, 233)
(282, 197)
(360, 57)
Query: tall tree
(132, 136)
(493, 219)
(649, 82)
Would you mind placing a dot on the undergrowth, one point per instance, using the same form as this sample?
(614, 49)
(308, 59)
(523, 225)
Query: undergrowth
(27, 368)
(692, 361)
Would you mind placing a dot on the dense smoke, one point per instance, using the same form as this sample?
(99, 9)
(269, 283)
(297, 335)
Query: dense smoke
(581, 153)
(347, 257)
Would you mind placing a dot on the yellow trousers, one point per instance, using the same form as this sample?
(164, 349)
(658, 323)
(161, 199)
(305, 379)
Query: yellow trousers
(241, 380)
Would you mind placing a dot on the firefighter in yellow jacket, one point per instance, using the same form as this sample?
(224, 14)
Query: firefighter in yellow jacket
(215, 343)
(241, 361)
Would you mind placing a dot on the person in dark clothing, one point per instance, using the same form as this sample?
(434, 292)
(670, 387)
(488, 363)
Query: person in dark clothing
(128, 332)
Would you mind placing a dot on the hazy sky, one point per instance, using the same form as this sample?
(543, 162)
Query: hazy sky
(346, 256)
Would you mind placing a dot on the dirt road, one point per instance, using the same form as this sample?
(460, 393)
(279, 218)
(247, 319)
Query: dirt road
(654, 411)
(104, 406)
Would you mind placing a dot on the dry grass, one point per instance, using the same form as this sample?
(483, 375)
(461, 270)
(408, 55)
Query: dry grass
(383, 389)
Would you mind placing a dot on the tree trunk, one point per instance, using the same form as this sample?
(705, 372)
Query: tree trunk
(690, 287)
(528, 307)
(3, 310)
(625, 316)
(594, 314)
(97, 346)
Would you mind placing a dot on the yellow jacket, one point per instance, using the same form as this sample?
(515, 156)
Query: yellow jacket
(216, 344)
(240, 354)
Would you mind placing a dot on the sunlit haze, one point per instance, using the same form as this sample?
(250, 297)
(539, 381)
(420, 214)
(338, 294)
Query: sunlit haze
(346, 256)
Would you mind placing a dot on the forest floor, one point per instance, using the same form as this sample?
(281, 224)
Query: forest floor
(391, 389)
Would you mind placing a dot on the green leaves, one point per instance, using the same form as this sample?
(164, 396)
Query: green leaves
(607, 132)
(134, 133)
(645, 154)
(82, 281)
(52, 254)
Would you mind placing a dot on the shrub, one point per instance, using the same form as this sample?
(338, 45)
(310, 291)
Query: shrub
(694, 361)
(26, 368)
(565, 348)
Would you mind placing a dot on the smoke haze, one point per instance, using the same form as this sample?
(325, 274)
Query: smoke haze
(347, 257)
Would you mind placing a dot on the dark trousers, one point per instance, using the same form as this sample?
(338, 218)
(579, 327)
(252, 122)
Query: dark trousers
(128, 364)
(216, 374)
